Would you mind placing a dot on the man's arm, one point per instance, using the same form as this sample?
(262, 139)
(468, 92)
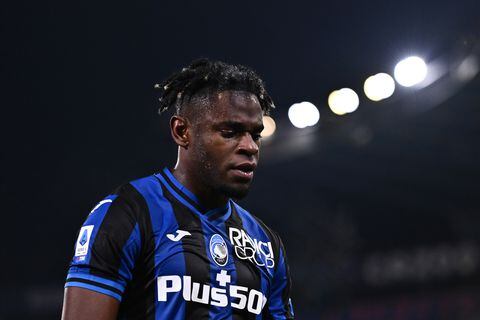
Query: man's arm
(106, 250)
(83, 304)
(279, 303)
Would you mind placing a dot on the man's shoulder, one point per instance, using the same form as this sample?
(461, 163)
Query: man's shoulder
(137, 194)
(138, 188)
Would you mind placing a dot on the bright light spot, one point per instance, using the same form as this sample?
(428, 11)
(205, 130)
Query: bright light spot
(379, 86)
(410, 71)
(343, 101)
(333, 103)
(303, 114)
(269, 127)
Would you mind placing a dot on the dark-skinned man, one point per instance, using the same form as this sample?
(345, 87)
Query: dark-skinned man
(175, 245)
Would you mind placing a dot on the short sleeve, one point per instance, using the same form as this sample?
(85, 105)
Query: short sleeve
(280, 302)
(106, 248)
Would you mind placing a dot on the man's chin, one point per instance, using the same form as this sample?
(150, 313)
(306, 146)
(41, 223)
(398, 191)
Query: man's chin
(236, 192)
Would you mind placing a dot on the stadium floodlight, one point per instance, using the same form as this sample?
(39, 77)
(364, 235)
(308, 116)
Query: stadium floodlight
(379, 86)
(269, 126)
(343, 101)
(410, 71)
(303, 114)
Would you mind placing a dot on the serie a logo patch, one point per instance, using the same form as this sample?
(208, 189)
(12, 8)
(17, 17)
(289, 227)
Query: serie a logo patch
(83, 241)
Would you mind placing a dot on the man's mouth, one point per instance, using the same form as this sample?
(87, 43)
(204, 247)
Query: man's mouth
(244, 170)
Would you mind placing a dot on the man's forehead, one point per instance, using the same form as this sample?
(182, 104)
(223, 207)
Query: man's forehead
(236, 96)
(234, 104)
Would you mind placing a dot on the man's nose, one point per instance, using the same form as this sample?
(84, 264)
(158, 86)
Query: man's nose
(248, 145)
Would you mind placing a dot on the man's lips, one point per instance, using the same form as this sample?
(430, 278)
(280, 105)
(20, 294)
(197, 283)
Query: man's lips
(244, 170)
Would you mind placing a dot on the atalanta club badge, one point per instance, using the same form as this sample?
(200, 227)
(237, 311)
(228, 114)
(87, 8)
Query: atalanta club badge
(218, 250)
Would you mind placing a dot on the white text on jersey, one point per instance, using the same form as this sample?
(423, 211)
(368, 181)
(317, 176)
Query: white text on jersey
(260, 253)
(243, 297)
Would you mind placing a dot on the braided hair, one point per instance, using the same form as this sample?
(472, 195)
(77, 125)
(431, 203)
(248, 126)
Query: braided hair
(213, 76)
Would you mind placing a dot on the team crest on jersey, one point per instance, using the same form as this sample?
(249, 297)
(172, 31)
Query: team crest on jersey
(218, 250)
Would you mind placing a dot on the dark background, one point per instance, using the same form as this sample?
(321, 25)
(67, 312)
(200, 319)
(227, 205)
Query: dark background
(379, 209)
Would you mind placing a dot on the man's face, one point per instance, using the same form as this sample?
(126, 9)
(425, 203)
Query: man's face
(226, 141)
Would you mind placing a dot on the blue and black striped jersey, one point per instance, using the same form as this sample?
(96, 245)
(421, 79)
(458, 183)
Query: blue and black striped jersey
(152, 246)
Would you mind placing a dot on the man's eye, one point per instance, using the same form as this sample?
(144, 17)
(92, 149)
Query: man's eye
(228, 133)
(256, 137)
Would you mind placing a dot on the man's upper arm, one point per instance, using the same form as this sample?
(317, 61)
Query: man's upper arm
(83, 304)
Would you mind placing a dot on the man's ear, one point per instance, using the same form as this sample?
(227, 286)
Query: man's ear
(180, 130)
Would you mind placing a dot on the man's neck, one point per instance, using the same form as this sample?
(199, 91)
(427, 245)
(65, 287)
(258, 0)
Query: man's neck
(208, 198)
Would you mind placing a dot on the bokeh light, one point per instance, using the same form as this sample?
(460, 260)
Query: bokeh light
(269, 127)
(343, 101)
(303, 114)
(379, 86)
(410, 71)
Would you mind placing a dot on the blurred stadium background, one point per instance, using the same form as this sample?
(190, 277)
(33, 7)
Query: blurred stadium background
(379, 208)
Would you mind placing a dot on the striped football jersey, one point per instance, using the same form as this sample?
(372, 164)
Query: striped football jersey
(151, 246)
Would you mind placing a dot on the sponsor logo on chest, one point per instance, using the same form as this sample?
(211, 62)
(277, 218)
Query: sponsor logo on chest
(248, 248)
(224, 294)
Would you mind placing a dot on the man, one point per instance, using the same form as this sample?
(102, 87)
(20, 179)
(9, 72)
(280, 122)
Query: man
(175, 245)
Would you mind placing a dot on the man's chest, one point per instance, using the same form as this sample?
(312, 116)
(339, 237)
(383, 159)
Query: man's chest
(193, 249)
(215, 265)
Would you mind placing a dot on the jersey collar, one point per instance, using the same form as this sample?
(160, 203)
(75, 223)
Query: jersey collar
(190, 199)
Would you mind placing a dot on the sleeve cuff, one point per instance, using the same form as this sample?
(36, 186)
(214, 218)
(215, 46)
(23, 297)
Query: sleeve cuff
(95, 283)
